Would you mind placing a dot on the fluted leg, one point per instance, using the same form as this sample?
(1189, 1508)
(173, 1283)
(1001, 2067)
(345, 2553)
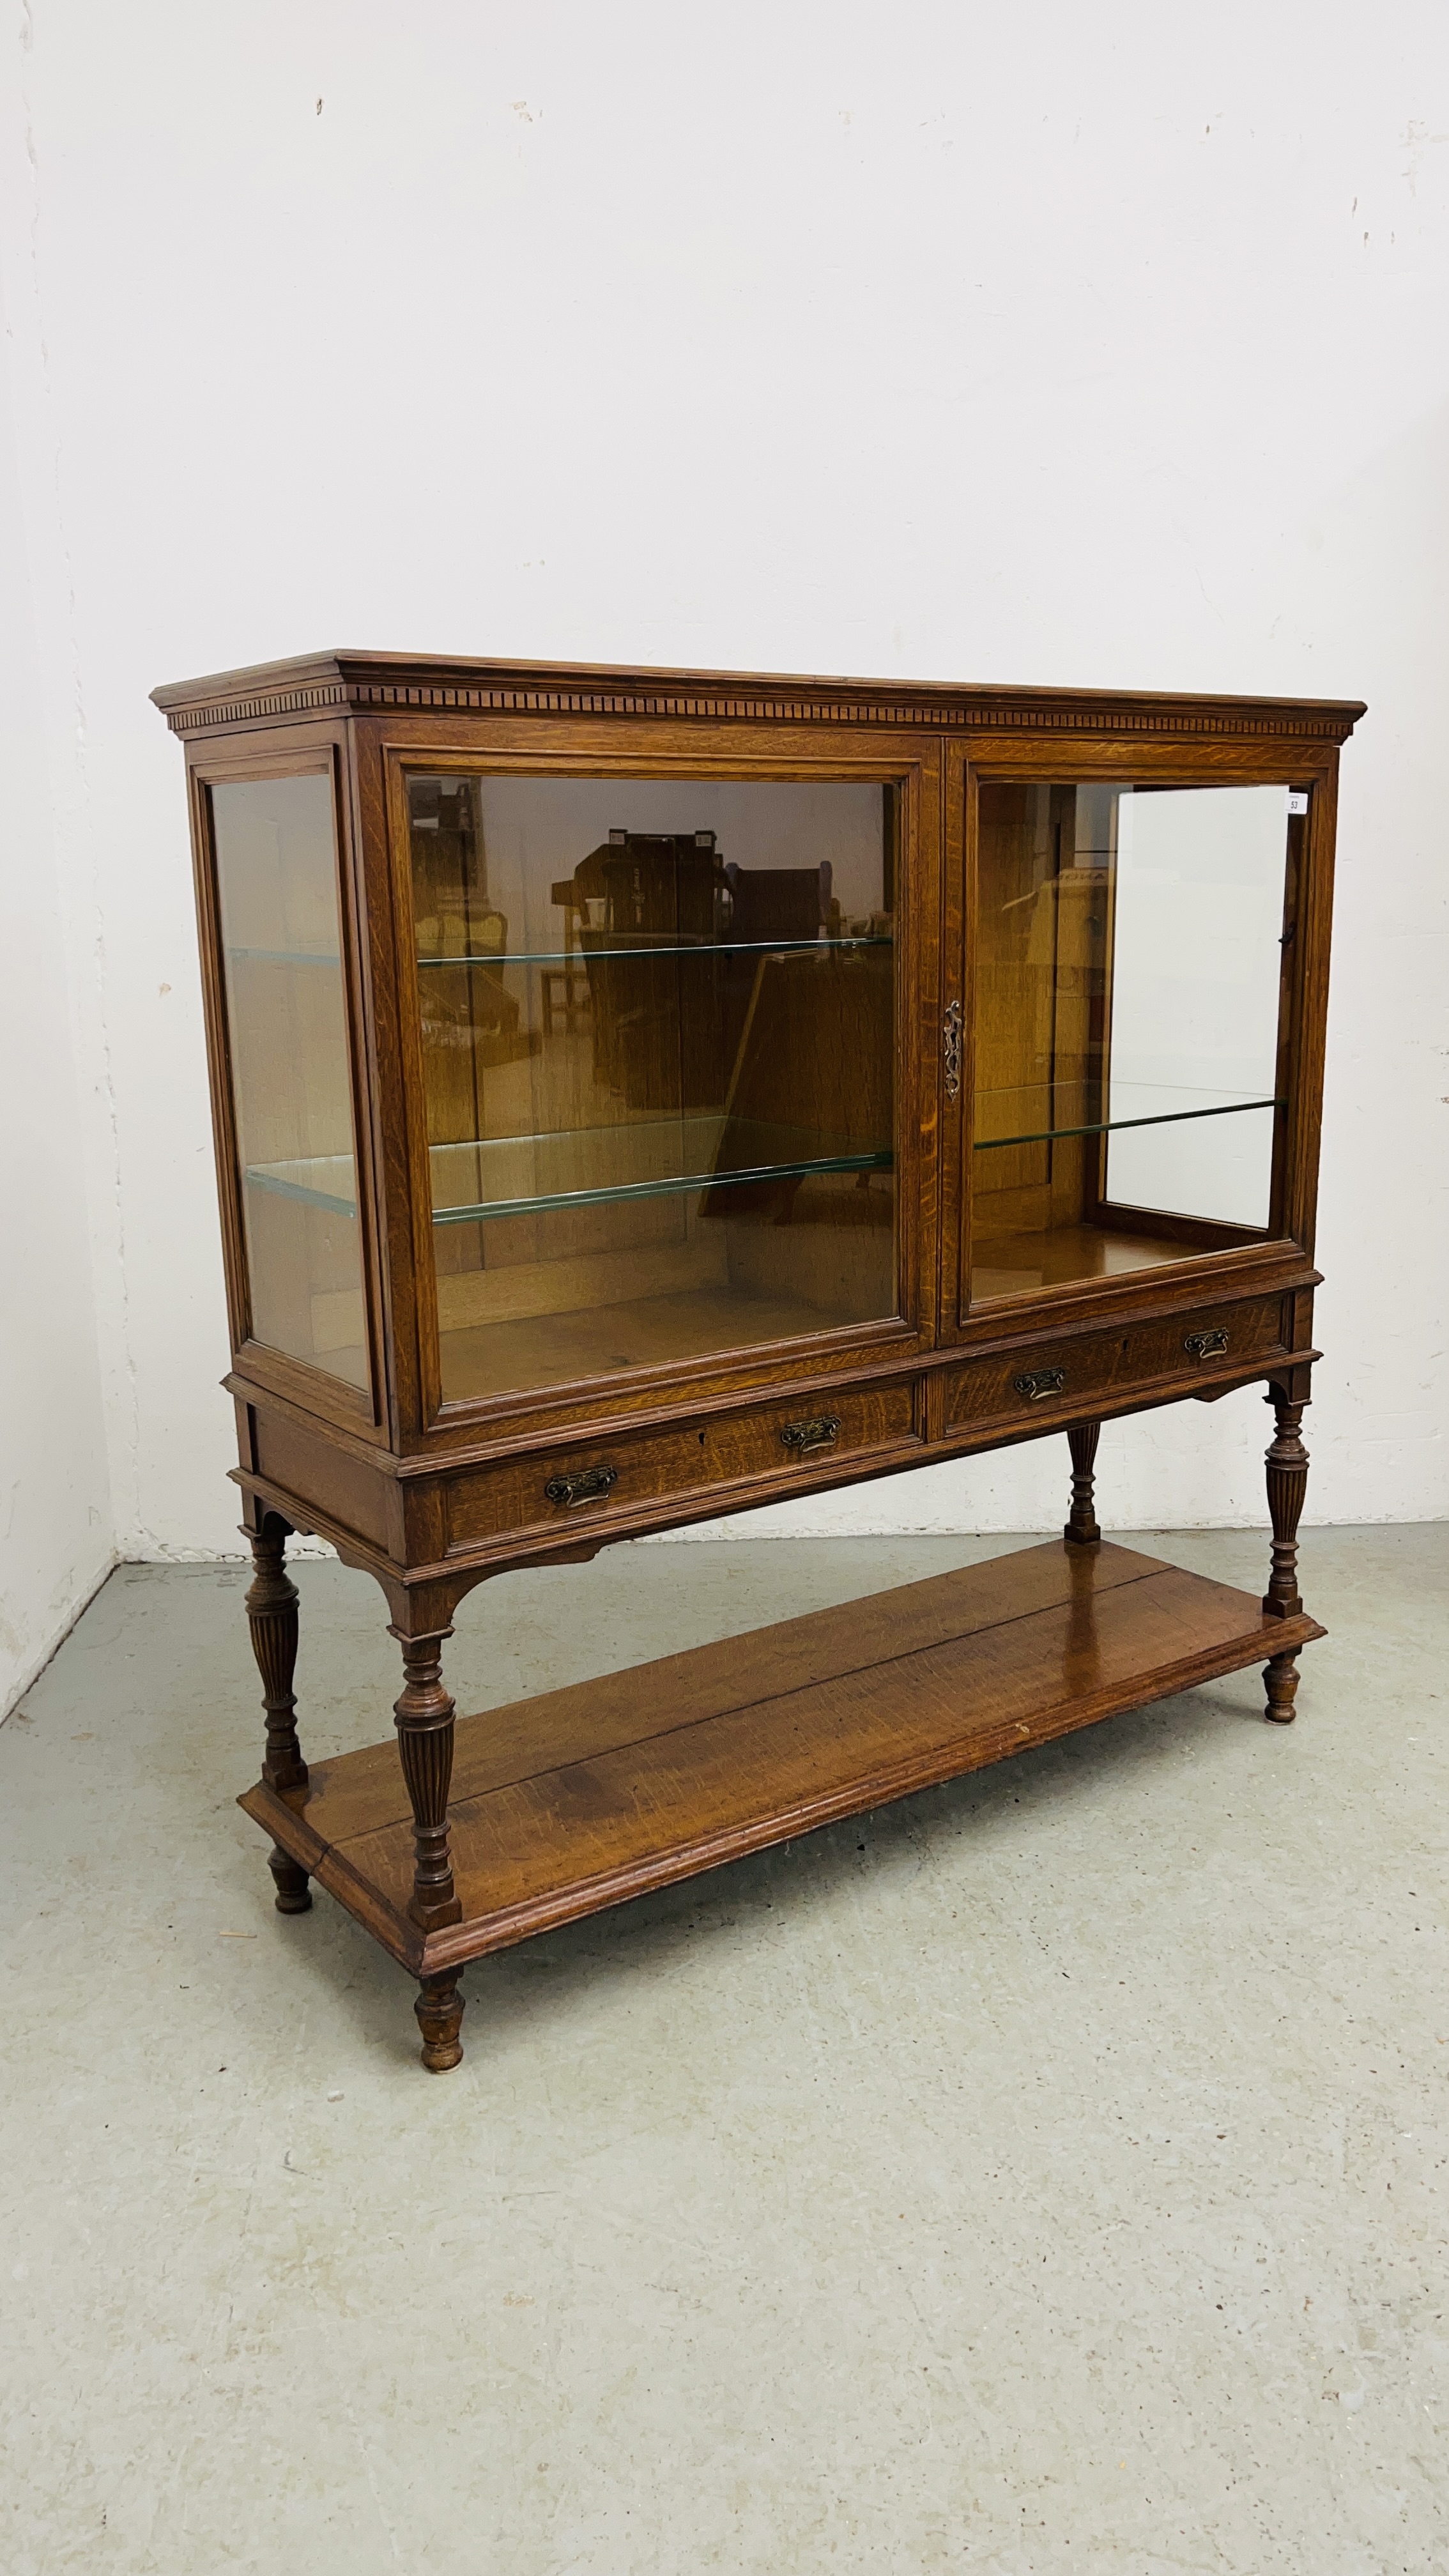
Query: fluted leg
(1081, 1530)
(439, 2009)
(294, 1896)
(424, 1717)
(272, 1611)
(1287, 1462)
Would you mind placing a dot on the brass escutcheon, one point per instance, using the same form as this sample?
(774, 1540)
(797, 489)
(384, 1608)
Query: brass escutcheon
(951, 1048)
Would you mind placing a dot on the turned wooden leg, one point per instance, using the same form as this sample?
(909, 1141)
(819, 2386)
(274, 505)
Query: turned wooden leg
(424, 1717)
(439, 2009)
(272, 1610)
(294, 1896)
(1287, 1461)
(1081, 1530)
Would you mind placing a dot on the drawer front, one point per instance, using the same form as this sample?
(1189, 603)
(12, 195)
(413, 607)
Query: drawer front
(573, 1491)
(1050, 1377)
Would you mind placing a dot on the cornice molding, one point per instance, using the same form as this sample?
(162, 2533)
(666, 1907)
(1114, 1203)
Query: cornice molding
(207, 715)
(267, 696)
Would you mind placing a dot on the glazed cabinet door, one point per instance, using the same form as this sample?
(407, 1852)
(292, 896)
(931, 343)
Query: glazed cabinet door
(276, 909)
(1122, 1020)
(660, 1037)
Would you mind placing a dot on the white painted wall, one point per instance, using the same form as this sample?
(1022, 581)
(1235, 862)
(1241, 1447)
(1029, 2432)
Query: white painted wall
(57, 1536)
(1099, 346)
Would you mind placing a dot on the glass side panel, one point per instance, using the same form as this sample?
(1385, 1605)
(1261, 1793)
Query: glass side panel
(658, 1042)
(1127, 1025)
(276, 868)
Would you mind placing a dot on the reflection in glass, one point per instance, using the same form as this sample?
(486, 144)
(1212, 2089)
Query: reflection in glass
(1127, 1026)
(276, 868)
(657, 1024)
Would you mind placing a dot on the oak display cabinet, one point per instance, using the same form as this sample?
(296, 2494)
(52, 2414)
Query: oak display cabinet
(643, 1095)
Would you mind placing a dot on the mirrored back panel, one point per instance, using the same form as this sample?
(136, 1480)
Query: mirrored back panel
(658, 1025)
(1129, 1025)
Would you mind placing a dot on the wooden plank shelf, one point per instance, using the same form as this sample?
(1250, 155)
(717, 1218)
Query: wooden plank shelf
(576, 1800)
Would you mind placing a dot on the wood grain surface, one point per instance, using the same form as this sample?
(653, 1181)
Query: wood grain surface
(575, 1800)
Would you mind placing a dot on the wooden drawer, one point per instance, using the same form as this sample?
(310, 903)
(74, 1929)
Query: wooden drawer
(1047, 1377)
(615, 1474)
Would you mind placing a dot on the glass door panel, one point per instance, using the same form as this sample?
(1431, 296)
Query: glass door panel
(658, 1052)
(1128, 1025)
(276, 874)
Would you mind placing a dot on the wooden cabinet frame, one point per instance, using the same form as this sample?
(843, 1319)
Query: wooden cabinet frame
(432, 1498)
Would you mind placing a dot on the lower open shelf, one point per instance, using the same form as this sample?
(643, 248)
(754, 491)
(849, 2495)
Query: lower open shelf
(576, 1800)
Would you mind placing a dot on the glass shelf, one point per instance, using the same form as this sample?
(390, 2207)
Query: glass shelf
(287, 956)
(1134, 1111)
(877, 1162)
(314, 1180)
(636, 1159)
(586, 956)
(517, 1176)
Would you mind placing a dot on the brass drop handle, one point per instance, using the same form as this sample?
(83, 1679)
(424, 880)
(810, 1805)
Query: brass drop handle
(820, 1432)
(1035, 1383)
(586, 1485)
(1209, 1345)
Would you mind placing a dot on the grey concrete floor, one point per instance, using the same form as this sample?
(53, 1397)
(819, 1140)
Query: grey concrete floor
(1048, 2173)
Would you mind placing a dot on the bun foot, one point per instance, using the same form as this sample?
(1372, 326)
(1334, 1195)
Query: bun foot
(294, 1896)
(1281, 1677)
(439, 2009)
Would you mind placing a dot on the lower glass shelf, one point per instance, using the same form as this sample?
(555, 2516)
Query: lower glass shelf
(640, 1159)
(1019, 1115)
(487, 1179)
(315, 1180)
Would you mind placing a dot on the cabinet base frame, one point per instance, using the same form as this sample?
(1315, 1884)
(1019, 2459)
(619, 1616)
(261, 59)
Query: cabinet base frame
(584, 1797)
